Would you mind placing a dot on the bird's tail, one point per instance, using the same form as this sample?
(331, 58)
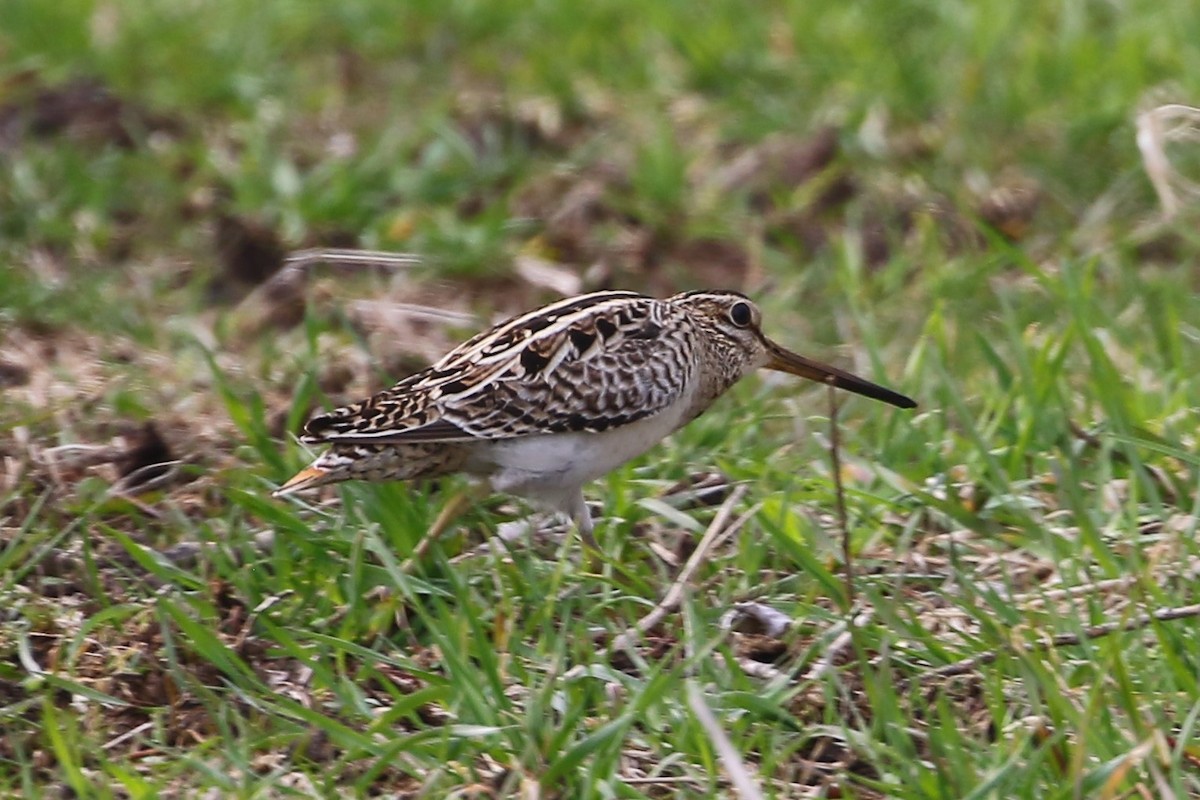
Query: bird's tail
(331, 467)
(376, 462)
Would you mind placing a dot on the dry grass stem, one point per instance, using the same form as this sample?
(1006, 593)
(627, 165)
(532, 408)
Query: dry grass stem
(348, 257)
(835, 461)
(717, 531)
(1155, 128)
(1068, 639)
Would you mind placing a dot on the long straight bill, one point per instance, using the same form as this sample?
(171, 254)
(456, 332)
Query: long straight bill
(795, 364)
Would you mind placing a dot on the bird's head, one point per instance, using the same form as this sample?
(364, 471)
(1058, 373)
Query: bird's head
(734, 325)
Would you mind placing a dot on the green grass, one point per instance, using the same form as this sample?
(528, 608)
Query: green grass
(202, 637)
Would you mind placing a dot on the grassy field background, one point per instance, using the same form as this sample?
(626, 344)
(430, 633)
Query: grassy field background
(947, 198)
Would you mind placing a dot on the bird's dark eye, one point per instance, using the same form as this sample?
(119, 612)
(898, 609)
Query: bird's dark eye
(741, 315)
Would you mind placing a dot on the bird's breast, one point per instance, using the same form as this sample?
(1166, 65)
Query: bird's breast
(557, 462)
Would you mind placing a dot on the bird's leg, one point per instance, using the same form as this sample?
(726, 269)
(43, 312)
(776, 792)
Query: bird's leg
(445, 518)
(582, 517)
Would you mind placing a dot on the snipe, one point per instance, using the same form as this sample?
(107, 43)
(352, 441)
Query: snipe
(549, 400)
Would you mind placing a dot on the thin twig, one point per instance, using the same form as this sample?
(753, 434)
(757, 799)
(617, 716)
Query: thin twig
(1031, 600)
(127, 735)
(146, 478)
(350, 257)
(1068, 639)
(81, 455)
(399, 311)
(300, 264)
(717, 531)
(835, 459)
(740, 774)
(663, 780)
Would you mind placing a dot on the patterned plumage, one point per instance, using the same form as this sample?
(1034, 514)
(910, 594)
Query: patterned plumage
(551, 399)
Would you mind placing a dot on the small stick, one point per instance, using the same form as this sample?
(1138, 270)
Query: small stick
(1067, 639)
(717, 531)
(835, 459)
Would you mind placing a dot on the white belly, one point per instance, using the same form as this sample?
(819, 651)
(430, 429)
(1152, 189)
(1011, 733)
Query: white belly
(553, 465)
